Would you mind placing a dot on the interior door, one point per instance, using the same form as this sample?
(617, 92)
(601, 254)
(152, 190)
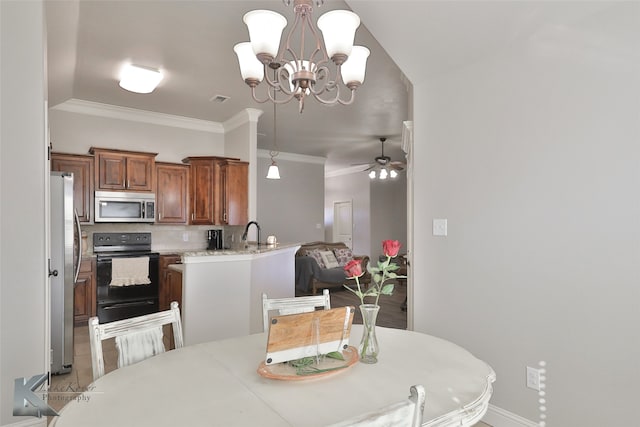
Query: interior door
(343, 222)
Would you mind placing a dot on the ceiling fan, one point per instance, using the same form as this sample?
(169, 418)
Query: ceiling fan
(383, 166)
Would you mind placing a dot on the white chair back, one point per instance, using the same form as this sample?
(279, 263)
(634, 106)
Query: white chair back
(407, 413)
(295, 305)
(137, 338)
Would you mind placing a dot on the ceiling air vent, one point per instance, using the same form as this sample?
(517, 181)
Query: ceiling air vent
(218, 99)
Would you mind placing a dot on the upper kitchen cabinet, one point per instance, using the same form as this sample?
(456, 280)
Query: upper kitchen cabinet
(233, 193)
(82, 168)
(219, 190)
(118, 170)
(172, 198)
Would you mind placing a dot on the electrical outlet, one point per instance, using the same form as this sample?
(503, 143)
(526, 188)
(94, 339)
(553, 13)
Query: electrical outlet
(533, 378)
(185, 237)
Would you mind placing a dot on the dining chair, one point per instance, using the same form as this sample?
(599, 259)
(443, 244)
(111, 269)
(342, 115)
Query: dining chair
(407, 413)
(136, 338)
(294, 305)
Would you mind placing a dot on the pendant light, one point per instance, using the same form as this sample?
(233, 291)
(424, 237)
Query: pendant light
(274, 172)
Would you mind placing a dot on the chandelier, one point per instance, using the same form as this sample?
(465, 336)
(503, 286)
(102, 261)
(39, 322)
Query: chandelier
(315, 68)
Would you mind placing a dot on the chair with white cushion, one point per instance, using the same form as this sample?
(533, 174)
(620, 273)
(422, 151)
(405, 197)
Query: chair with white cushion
(407, 413)
(137, 338)
(295, 305)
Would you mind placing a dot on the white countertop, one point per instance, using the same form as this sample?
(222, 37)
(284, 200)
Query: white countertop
(248, 251)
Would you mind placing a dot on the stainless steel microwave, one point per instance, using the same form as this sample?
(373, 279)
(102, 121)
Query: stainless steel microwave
(121, 206)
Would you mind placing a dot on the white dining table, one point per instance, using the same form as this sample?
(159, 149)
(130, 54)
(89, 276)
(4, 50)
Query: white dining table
(217, 384)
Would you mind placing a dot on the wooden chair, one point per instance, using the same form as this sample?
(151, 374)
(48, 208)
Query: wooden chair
(293, 305)
(407, 413)
(137, 338)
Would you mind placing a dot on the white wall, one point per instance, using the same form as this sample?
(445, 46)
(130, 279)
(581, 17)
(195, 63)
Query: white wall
(388, 213)
(540, 187)
(355, 188)
(291, 207)
(23, 184)
(77, 131)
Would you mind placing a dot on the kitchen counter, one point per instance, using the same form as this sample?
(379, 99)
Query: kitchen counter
(222, 290)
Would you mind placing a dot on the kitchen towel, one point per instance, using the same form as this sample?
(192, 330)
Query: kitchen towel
(130, 271)
(137, 346)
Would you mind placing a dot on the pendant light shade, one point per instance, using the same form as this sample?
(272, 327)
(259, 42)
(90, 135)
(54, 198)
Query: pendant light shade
(274, 172)
(250, 68)
(265, 29)
(354, 69)
(338, 30)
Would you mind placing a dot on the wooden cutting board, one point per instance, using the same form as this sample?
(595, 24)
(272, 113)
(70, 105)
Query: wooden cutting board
(295, 336)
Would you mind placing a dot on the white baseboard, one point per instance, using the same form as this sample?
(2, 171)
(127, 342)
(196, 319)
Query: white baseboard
(498, 417)
(29, 422)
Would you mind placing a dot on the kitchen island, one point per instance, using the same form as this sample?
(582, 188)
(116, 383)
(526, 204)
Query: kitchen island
(222, 289)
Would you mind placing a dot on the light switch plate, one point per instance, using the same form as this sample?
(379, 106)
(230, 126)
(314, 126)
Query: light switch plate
(439, 227)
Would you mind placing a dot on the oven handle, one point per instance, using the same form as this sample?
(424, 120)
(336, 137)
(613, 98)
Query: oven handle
(128, 304)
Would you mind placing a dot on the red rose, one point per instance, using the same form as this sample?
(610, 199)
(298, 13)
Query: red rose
(390, 247)
(353, 269)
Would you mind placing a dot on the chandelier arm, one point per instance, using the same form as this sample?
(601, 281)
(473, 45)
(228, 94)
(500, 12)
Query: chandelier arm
(270, 97)
(337, 99)
(287, 45)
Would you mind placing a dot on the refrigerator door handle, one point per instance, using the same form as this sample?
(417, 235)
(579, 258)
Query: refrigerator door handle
(78, 259)
(53, 273)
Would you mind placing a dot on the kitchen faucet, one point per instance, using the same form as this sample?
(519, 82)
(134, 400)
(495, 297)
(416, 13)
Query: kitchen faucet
(246, 230)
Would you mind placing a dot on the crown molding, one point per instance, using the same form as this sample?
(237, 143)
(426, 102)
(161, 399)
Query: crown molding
(345, 171)
(80, 106)
(248, 115)
(292, 157)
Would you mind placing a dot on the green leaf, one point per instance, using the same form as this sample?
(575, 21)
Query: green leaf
(335, 355)
(387, 289)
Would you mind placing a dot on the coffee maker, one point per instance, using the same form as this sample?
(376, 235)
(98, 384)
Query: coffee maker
(214, 237)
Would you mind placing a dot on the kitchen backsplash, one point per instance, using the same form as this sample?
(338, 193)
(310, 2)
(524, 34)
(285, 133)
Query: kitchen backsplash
(169, 237)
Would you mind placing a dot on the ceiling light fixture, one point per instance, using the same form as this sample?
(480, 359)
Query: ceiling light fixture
(303, 75)
(274, 172)
(139, 79)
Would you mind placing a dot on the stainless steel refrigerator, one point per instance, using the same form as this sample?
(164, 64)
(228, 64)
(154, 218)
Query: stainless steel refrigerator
(63, 269)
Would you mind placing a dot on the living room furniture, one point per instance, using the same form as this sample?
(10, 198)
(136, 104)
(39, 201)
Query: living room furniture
(171, 388)
(407, 413)
(312, 275)
(293, 305)
(134, 337)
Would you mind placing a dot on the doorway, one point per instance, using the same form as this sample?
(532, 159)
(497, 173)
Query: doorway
(343, 222)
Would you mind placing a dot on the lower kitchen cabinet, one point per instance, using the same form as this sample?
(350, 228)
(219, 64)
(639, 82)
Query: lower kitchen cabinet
(84, 293)
(170, 282)
(170, 290)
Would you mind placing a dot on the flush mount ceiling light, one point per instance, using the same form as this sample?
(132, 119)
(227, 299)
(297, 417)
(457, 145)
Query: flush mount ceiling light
(135, 78)
(299, 75)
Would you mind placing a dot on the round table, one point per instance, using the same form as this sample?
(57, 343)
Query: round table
(216, 384)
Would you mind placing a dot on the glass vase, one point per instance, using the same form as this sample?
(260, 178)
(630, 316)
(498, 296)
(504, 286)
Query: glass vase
(368, 348)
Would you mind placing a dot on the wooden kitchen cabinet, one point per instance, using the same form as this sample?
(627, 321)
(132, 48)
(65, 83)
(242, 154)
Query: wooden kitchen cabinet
(172, 196)
(233, 193)
(84, 293)
(82, 168)
(119, 170)
(218, 190)
(170, 282)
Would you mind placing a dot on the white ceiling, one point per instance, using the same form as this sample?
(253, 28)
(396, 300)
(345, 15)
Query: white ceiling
(192, 41)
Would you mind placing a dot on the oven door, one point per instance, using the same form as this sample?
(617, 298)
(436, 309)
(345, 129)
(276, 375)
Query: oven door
(120, 302)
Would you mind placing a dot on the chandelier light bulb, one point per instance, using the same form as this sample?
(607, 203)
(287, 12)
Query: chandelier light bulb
(393, 173)
(383, 173)
(372, 174)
